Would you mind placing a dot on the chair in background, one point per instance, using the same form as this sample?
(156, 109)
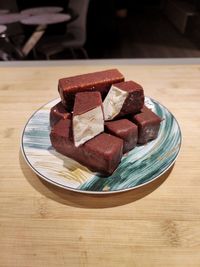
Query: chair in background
(75, 37)
(13, 37)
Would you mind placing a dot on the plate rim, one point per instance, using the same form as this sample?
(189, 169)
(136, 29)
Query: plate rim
(90, 192)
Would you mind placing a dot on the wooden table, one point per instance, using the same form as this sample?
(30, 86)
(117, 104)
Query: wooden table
(157, 225)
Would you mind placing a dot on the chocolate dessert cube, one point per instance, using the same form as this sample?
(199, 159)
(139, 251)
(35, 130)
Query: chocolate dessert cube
(148, 125)
(61, 136)
(122, 99)
(88, 119)
(124, 129)
(101, 154)
(57, 113)
(97, 81)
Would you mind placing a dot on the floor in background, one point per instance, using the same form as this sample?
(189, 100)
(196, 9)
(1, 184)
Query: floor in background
(148, 34)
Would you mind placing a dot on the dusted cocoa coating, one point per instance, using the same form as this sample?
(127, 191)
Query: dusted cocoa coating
(86, 101)
(148, 125)
(57, 113)
(101, 154)
(97, 81)
(104, 153)
(135, 99)
(124, 129)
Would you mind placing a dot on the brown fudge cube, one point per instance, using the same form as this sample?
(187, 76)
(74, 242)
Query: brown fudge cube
(88, 119)
(101, 154)
(57, 113)
(61, 136)
(124, 129)
(148, 125)
(97, 81)
(123, 98)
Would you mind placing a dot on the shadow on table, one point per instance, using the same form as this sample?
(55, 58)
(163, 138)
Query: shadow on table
(85, 200)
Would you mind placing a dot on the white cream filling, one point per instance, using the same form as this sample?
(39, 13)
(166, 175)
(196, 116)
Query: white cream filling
(88, 125)
(113, 102)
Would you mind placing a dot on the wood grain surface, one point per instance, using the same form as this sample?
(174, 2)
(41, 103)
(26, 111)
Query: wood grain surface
(42, 225)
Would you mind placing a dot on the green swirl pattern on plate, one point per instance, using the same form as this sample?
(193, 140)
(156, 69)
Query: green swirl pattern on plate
(141, 165)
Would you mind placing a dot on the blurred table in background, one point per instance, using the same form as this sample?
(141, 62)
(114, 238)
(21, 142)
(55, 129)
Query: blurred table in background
(157, 225)
(3, 28)
(42, 20)
(42, 10)
(11, 18)
(4, 11)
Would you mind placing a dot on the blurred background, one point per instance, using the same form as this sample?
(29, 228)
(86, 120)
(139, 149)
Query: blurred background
(99, 29)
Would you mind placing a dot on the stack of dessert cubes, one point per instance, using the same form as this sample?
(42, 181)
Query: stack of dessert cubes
(99, 118)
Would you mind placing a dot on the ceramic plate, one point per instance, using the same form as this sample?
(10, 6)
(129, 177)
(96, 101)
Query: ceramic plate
(140, 166)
